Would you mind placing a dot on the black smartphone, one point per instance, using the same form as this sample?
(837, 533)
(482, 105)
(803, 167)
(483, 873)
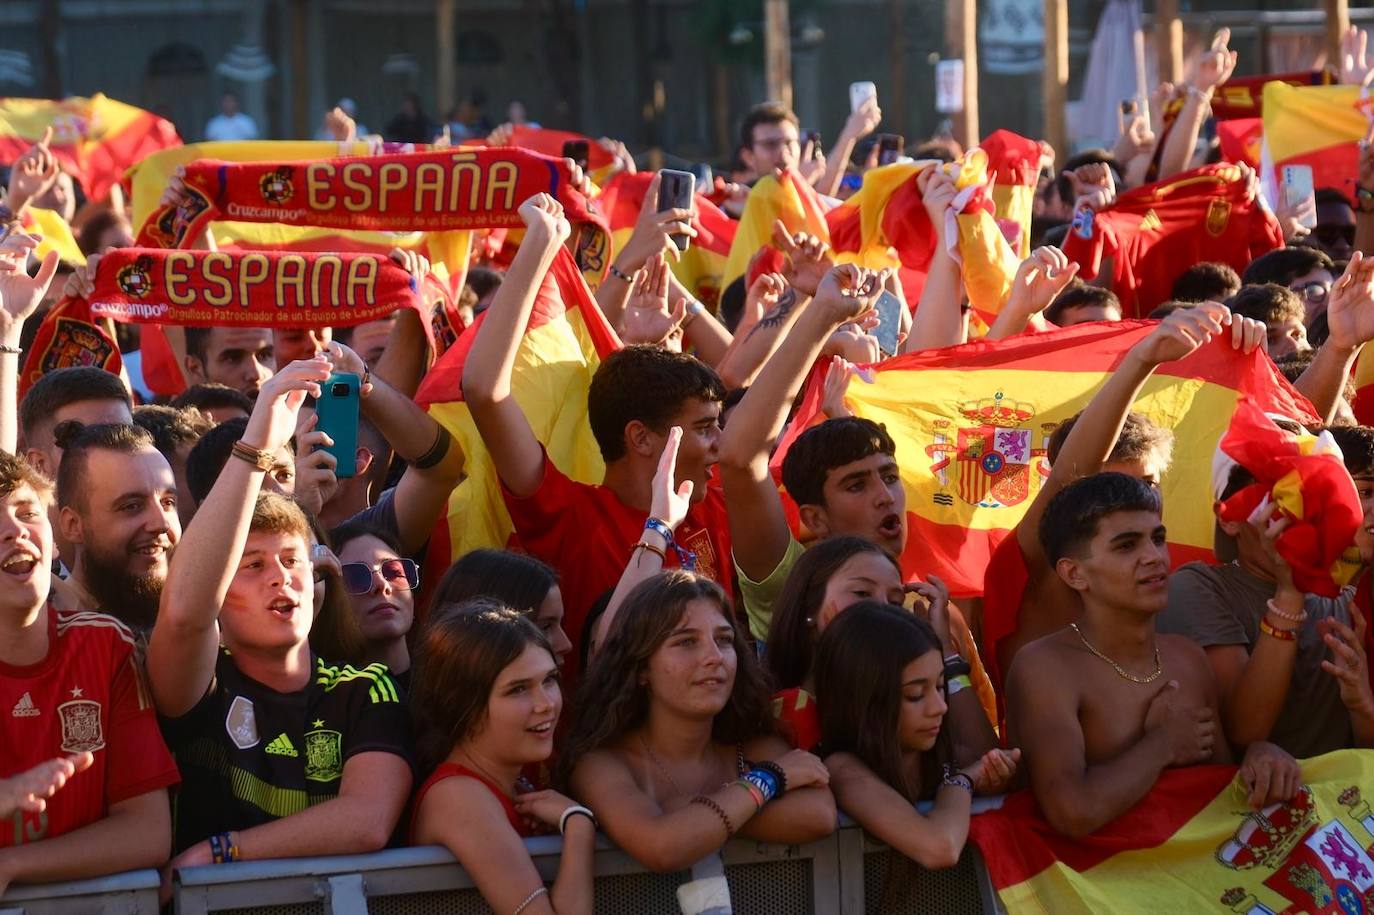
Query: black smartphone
(576, 150)
(812, 136)
(703, 173)
(675, 192)
(890, 147)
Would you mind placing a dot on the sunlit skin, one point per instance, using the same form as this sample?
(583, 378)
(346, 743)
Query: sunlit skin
(128, 513)
(522, 714)
(25, 553)
(1287, 338)
(923, 704)
(270, 602)
(385, 613)
(86, 412)
(548, 619)
(1087, 314)
(863, 498)
(238, 357)
(774, 146)
(863, 576)
(693, 672)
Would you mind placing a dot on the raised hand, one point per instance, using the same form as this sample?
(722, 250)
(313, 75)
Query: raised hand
(993, 772)
(1216, 64)
(1350, 307)
(415, 263)
(936, 595)
(20, 294)
(668, 503)
(1357, 69)
(1350, 664)
(762, 298)
(316, 469)
(344, 359)
(624, 162)
(937, 195)
(837, 378)
(1270, 775)
(864, 121)
(544, 219)
(32, 174)
(651, 231)
(1190, 731)
(1039, 279)
(647, 318)
(808, 258)
(273, 420)
(340, 126)
(848, 293)
(1182, 332)
(28, 791)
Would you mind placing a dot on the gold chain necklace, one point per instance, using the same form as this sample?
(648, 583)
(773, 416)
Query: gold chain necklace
(1121, 671)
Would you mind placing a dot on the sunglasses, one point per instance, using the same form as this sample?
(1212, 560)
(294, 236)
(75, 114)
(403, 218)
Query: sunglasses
(401, 574)
(1314, 292)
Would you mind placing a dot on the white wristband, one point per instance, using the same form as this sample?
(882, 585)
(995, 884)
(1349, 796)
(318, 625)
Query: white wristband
(574, 810)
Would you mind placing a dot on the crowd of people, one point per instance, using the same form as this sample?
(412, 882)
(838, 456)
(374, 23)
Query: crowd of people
(216, 645)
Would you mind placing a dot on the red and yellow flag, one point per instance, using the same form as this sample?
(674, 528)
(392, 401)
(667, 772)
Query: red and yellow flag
(565, 341)
(702, 266)
(57, 235)
(1242, 140)
(95, 139)
(789, 199)
(69, 337)
(972, 422)
(886, 225)
(1014, 166)
(1313, 125)
(1194, 845)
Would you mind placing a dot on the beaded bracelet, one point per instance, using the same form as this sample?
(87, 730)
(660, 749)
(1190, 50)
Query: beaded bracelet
(754, 790)
(1284, 614)
(530, 898)
(710, 804)
(643, 545)
(621, 275)
(1283, 635)
(769, 766)
(223, 848)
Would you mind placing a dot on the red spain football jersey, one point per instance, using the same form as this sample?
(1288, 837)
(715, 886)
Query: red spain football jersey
(586, 533)
(88, 694)
(1155, 232)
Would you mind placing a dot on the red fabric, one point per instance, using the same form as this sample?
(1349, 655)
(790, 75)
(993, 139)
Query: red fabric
(550, 143)
(1012, 158)
(1004, 588)
(1017, 841)
(1240, 140)
(453, 770)
(623, 196)
(1157, 231)
(68, 337)
(799, 718)
(586, 533)
(87, 694)
(1314, 539)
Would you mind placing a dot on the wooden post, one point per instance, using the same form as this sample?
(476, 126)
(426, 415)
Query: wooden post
(961, 40)
(300, 70)
(777, 51)
(1168, 41)
(894, 99)
(1056, 78)
(446, 73)
(1337, 21)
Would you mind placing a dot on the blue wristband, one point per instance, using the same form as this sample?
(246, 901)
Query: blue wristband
(658, 527)
(686, 559)
(763, 780)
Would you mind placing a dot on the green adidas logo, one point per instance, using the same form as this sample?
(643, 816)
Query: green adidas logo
(281, 746)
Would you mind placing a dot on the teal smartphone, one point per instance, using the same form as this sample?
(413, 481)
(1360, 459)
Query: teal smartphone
(337, 409)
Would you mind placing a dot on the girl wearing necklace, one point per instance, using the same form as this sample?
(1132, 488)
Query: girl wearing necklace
(674, 744)
(487, 700)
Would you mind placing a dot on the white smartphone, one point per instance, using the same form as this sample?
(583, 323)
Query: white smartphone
(860, 93)
(1297, 187)
(889, 309)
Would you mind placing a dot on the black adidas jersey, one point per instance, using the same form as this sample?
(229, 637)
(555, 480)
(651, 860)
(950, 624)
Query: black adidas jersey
(249, 754)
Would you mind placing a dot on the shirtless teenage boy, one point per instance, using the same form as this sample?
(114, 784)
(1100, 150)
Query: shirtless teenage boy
(1102, 707)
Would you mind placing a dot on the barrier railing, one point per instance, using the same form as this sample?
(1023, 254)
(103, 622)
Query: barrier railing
(845, 874)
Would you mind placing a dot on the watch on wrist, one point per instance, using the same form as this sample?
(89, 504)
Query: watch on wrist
(1364, 199)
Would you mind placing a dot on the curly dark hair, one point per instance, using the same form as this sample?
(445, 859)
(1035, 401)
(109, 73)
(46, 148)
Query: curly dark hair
(612, 702)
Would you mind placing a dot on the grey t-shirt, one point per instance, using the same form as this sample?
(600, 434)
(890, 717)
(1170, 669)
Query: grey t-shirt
(1222, 605)
(382, 516)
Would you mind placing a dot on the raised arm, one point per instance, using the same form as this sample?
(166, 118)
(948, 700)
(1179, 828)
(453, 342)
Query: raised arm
(939, 319)
(1350, 322)
(1215, 68)
(700, 328)
(648, 240)
(758, 528)
(1079, 798)
(1038, 281)
(515, 451)
(19, 298)
(185, 639)
(859, 125)
(32, 175)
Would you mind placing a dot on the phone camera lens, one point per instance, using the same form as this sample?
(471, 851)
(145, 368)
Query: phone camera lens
(339, 389)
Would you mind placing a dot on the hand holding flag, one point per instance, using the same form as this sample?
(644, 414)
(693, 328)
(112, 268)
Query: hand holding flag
(937, 196)
(808, 258)
(1270, 775)
(1039, 280)
(545, 220)
(848, 294)
(1188, 733)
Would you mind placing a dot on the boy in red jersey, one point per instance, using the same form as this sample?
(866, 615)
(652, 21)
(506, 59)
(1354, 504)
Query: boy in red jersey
(83, 768)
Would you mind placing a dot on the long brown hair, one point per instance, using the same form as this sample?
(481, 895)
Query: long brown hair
(792, 635)
(335, 634)
(460, 655)
(612, 701)
(859, 664)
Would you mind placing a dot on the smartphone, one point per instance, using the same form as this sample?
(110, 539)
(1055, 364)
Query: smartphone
(337, 409)
(889, 309)
(860, 93)
(890, 147)
(1297, 187)
(576, 150)
(675, 192)
(810, 135)
(704, 175)
(1129, 110)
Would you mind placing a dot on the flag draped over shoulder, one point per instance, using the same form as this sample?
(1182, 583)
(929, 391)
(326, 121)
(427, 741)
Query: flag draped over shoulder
(1313, 125)
(886, 216)
(565, 341)
(95, 139)
(1193, 845)
(1014, 166)
(702, 266)
(972, 423)
(789, 199)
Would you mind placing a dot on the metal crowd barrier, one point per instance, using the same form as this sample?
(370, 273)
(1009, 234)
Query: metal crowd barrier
(845, 874)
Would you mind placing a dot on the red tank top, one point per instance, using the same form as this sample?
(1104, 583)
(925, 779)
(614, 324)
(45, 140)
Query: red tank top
(453, 770)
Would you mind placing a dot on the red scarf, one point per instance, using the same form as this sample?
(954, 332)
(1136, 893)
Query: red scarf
(68, 338)
(435, 191)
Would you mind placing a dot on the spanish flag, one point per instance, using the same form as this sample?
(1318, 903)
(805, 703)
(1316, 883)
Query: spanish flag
(885, 225)
(1014, 167)
(550, 143)
(1193, 845)
(972, 424)
(69, 337)
(1313, 125)
(57, 235)
(789, 199)
(1242, 140)
(702, 266)
(565, 341)
(95, 139)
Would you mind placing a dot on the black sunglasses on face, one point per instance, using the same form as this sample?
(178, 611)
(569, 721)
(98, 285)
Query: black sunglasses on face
(401, 574)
